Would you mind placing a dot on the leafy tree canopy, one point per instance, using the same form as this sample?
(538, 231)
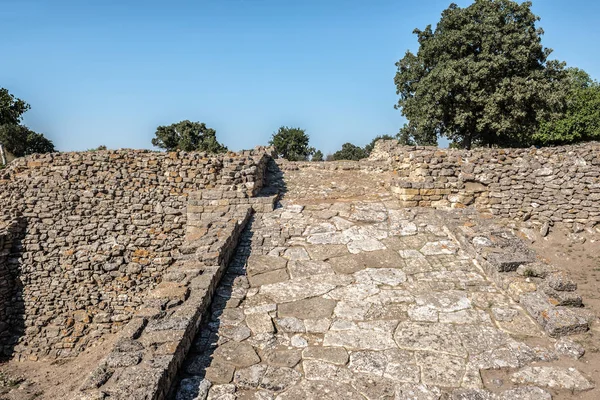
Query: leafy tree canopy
(350, 152)
(18, 139)
(11, 108)
(21, 141)
(188, 136)
(317, 156)
(369, 148)
(482, 77)
(291, 144)
(581, 121)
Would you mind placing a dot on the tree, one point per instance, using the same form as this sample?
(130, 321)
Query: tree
(16, 138)
(317, 156)
(188, 136)
(350, 152)
(291, 144)
(581, 121)
(481, 77)
(21, 141)
(369, 148)
(11, 108)
(406, 136)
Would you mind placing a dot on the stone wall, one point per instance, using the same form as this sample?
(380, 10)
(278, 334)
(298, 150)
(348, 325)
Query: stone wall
(10, 300)
(553, 184)
(101, 229)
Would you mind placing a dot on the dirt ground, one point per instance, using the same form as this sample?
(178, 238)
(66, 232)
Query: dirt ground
(49, 379)
(579, 255)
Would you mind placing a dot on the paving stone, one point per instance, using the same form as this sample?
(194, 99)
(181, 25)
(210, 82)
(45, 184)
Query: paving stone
(250, 377)
(332, 355)
(429, 337)
(258, 264)
(282, 357)
(368, 362)
(320, 390)
(219, 372)
(221, 392)
(381, 276)
(237, 333)
(363, 289)
(411, 391)
(441, 369)
(328, 238)
(446, 301)
(260, 323)
(317, 325)
(422, 313)
(357, 338)
(325, 252)
(237, 354)
(277, 379)
(301, 269)
(473, 394)
(347, 264)
(553, 377)
(296, 253)
(365, 244)
(279, 275)
(290, 324)
(302, 288)
(324, 227)
(316, 370)
(374, 388)
(466, 317)
(313, 308)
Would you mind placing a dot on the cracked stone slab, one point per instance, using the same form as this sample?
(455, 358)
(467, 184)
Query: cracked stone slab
(553, 377)
(381, 276)
(258, 264)
(304, 268)
(320, 390)
(366, 244)
(441, 369)
(314, 308)
(357, 338)
(332, 355)
(303, 288)
(429, 337)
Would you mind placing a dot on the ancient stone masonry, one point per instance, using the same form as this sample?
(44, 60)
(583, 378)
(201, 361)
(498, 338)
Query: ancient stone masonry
(555, 184)
(101, 230)
(544, 291)
(9, 295)
(152, 346)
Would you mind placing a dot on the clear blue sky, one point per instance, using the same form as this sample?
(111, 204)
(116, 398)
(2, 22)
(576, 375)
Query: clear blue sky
(109, 72)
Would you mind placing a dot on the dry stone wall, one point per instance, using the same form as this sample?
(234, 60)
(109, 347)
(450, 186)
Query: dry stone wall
(100, 230)
(553, 184)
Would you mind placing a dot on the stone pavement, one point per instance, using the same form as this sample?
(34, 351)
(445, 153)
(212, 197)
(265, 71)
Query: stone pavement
(366, 300)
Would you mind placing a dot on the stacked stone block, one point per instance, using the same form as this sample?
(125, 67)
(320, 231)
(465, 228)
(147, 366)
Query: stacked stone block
(554, 184)
(101, 230)
(152, 346)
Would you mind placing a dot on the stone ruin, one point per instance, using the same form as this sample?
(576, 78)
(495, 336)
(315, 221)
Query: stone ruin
(145, 245)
